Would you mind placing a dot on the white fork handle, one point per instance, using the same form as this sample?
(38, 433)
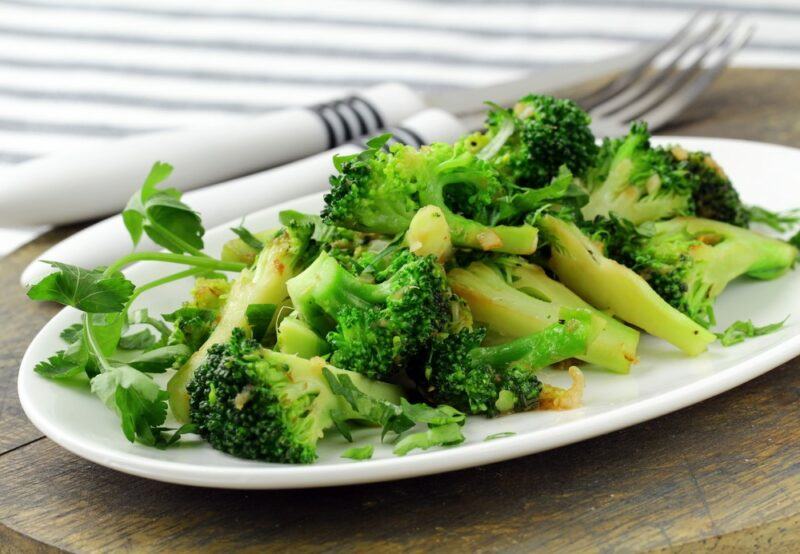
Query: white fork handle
(84, 183)
(107, 240)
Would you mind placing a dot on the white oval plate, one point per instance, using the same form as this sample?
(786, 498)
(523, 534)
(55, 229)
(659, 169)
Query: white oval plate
(663, 382)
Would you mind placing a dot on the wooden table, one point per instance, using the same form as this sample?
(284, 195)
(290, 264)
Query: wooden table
(724, 473)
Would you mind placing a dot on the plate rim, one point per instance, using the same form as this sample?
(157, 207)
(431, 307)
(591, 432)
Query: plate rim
(424, 463)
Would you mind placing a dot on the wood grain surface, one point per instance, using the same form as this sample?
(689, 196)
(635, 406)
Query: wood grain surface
(723, 475)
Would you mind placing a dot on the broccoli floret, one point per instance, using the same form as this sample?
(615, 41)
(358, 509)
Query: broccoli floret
(191, 326)
(264, 283)
(637, 182)
(263, 405)
(374, 328)
(689, 261)
(514, 298)
(529, 143)
(608, 285)
(498, 379)
(379, 192)
(713, 194)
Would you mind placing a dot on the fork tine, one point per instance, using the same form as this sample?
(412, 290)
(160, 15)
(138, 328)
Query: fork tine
(648, 82)
(677, 102)
(620, 82)
(673, 82)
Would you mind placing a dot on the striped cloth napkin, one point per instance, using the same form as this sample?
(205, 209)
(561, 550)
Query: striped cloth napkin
(87, 71)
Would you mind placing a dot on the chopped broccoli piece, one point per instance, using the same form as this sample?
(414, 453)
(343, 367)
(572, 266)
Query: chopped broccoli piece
(264, 283)
(295, 336)
(514, 298)
(689, 261)
(262, 405)
(529, 143)
(374, 328)
(380, 192)
(241, 250)
(502, 378)
(606, 284)
(209, 293)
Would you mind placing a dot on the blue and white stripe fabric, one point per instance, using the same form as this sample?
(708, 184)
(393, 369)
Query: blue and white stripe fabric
(85, 71)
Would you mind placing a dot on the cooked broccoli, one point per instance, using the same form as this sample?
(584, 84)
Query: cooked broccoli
(295, 336)
(713, 194)
(635, 181)
(241, 250)
(689, 261)
(529, 143)
(210, 293)
(639, 182)
(374, 328)
(379, 192)
(264, 283)
(514, 298)
(191, 326)
(502, 378)
(263, 405)
(608, 285)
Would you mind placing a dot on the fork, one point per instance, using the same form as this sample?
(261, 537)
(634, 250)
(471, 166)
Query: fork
(672, 77)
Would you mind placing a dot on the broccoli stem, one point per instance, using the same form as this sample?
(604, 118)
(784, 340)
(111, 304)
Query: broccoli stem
(540, 349)
(325, 287)
(296, 337)
(608, 285)
(531, 301)
(265, 283)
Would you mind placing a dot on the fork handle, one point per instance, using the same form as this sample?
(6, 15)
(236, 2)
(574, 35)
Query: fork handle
(83, 183)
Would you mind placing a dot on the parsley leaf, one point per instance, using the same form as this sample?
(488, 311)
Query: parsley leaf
(64, 363)
(779, 221)
(162, 216)
(140, 403)
(248, 238)
(499, 435)
(443, 435)
(444, 422)
(359, 452)
(139, 340)
(741, 330)
(434, 417)
(72, 334)
(157, 360)
(90, 291)
(378, 412)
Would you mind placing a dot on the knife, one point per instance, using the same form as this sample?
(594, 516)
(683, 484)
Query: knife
(84, 183)
(108, 240)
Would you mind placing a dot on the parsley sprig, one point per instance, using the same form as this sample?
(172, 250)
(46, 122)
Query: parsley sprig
(119, 361)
